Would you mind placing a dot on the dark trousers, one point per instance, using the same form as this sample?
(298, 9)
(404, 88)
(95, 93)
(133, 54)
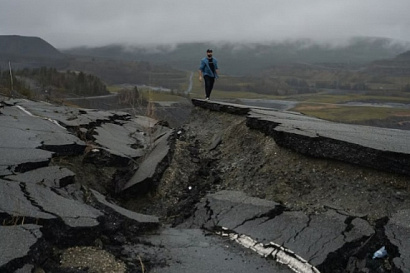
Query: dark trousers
(209, 85)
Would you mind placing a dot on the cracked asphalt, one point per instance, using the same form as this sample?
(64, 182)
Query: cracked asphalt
(216, 151)
(230, 192)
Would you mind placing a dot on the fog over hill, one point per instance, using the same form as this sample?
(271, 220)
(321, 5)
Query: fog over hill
(234, 58)
(167, 65)
(252, 58)
(404, 56)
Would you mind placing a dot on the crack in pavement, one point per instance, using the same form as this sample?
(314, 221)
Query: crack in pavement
(278, 210)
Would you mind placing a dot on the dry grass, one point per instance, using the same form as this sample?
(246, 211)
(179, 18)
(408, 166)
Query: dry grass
(340, 113)
(142, 264)
(15, 220)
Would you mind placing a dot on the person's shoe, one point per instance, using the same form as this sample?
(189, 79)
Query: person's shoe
(207, 98)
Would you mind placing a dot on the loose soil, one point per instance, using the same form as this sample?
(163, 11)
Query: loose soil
(215, 151)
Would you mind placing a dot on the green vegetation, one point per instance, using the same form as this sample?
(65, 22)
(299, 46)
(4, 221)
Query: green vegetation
(246, 59)
(369, 97)
(319, 77)
(300, 81)
(7, 83)
(160, 96)
(40, 80)
(148, 94)
(294, 68)
(132, 73)
(78, 83)
(350, 114)
(323, 104)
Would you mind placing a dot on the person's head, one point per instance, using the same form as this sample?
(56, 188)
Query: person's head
(209, 53)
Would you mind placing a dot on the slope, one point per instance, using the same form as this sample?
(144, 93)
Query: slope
(23, 51)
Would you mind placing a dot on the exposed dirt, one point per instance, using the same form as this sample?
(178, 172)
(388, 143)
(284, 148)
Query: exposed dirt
(92, 259)
(216, 151)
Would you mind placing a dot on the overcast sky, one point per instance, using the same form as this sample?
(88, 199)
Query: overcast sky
(72, 23)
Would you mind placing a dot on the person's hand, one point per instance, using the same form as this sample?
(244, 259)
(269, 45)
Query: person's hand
(200, 78)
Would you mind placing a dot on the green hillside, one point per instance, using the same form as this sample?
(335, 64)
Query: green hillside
(272, 69)
(23, 52)
(115, 72)
(252, 59)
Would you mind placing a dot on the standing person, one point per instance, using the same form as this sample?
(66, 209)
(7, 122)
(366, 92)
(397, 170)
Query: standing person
(208, 69)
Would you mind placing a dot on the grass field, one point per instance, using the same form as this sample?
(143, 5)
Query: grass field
(350, 114)
(321, 105)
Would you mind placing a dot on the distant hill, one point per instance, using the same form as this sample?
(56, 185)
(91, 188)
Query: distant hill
(295, 64)
(30, 52)
(398, 66)
(252, 58)
(404, 56)
(133, 73)
(34, 52)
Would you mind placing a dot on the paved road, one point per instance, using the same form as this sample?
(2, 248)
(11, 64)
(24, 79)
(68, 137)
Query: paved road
(375, 147)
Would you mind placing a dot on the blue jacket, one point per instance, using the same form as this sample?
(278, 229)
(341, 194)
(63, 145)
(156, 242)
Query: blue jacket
(206, 70)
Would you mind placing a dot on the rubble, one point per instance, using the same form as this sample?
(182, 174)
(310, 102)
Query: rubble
(78, 183)
(375, 147)
(42, 205)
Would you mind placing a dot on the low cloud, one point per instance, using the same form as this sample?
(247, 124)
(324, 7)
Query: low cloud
(96, 23)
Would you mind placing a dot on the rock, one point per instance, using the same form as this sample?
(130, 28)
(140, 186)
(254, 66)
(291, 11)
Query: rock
(378, 148)
(375, 147)
(22, 160)
(25, 137)
(53, 176)
(35, 195)
(397, 231)
(216, 140)
(68, 117)
(118, 140)
(312, 237)
(359, 228)
(72, 212)
(39, 202)
(29, 269)
(39, 132)
(322, 234)
(46, 207)
(190, 250)
(16, 242)
(14, 202)
(142, 179)
(138, 217)
(230, 108)
(231, 209)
